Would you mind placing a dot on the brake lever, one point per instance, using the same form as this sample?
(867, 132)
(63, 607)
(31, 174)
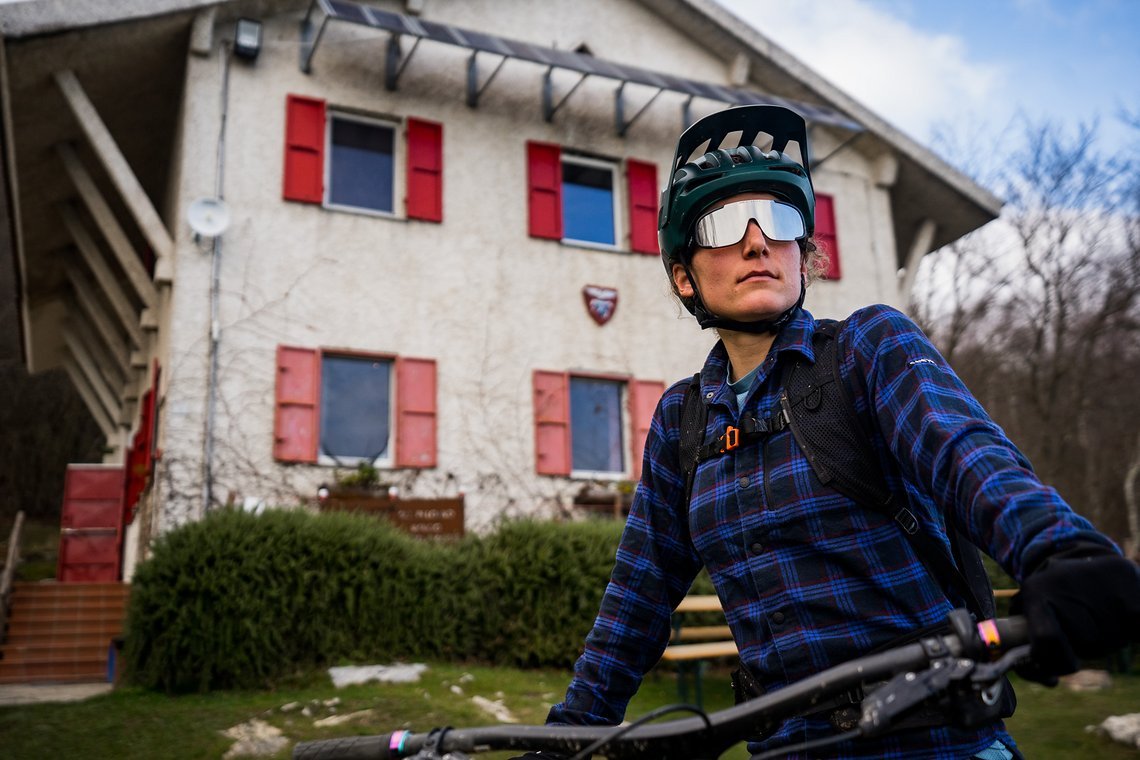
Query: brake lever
(947, 674)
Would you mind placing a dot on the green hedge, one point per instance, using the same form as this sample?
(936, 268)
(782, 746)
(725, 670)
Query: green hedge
(240, 601)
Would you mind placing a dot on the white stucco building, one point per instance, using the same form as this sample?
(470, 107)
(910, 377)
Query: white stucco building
(421, 195)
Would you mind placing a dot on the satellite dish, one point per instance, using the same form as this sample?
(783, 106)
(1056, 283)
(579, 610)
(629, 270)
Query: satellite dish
(208, 217)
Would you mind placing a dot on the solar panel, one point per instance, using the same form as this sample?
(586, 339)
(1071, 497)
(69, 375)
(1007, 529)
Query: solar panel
(357, 13)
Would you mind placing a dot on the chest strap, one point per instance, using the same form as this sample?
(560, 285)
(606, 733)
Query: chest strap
(750, 431)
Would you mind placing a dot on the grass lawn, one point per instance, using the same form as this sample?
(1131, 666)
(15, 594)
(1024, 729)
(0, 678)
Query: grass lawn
(130, 723)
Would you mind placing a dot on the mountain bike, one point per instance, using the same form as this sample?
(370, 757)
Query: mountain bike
(960, 671)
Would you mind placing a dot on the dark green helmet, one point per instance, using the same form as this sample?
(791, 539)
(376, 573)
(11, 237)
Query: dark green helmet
(726, 171)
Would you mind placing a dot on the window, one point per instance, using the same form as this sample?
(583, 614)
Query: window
(355, 409)
(341, 408)
(588, 201)
(595, 425)
(346, 161)
(581, 423)
(360, 166)
(825, 234)
(577, 200)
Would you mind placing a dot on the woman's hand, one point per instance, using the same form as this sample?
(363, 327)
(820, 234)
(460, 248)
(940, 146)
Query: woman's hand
(1082, 603)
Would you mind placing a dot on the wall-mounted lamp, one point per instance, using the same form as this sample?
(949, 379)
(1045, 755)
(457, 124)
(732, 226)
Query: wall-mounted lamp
(247, 39)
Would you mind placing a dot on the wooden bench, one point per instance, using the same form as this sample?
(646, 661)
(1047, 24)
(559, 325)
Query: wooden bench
(715, 641)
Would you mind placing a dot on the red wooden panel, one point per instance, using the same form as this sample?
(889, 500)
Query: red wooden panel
(91, 524)
(642, 179)
(643, 398)
(304, 149)
(415, 412)
(552, 423)
(425, 171)
(825, 234)
(544, 190)
(295, 418)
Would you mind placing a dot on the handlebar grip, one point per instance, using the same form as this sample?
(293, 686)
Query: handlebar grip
(345, 748)
(1014, 631)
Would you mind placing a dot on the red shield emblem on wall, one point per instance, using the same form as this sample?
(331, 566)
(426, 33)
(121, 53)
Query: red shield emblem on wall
(600, 302)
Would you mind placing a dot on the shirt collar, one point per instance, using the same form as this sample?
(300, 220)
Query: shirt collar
(795, 336)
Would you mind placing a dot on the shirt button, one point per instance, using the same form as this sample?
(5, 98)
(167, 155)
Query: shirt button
(757, 548)
(744, 482)
(777, 618)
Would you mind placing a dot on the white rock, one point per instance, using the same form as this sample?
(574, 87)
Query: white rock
(455, 689)
(334, 702)
(1124, 729)
(383, 673)
(290, 707)
(336, 720)
(466, 678)
(255, 738)
(1087, 680)
(494, 708)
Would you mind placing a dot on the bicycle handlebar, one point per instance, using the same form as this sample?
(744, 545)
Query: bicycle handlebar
(706, 736)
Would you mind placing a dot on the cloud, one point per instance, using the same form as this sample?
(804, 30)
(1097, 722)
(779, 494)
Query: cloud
(912, 78)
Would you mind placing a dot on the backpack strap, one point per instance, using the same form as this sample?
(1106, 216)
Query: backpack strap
(694, 416)
(822, 416)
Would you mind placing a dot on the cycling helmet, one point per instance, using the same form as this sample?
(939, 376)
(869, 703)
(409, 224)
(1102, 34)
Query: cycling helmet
(725, 171)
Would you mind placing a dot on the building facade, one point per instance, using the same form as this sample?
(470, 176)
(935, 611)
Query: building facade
(415, 234)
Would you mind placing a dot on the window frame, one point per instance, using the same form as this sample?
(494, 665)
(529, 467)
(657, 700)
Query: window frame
(615, 175)
(388, 459)
(397, 171)
(625, 426)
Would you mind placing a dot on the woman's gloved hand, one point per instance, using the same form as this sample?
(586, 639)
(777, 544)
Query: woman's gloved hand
(1082, 603)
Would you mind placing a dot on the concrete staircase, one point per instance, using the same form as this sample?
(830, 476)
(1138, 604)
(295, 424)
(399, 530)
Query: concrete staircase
(61, 632)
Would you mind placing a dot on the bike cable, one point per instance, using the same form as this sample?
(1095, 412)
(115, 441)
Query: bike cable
(826, 741)
(649, 716)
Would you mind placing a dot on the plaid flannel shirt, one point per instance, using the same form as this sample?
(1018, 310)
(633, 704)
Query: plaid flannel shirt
(809, 579)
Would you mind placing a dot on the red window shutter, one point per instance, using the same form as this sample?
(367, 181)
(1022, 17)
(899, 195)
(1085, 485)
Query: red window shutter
(544, 190)
(643, 398)
(295, 420)
(415, 413)
(304, 149)
(825, 235)
(552, 423)
(642, 178)
(425, 171)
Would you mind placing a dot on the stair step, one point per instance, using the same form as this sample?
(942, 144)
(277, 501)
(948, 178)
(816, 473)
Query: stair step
(101, 631)
(89, 606)
(70, 589)
(53, 673)
(55, 652)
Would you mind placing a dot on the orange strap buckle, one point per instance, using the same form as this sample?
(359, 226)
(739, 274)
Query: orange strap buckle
(731, 439)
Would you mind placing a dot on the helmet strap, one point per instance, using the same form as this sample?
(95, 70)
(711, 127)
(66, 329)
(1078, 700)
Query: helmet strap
(707, 319)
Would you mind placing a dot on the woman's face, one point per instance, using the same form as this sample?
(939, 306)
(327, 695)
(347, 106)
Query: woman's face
(753, 279)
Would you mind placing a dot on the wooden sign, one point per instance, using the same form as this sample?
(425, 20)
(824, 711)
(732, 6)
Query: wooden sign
(420, 517)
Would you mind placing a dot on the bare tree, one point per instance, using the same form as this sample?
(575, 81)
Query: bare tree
(1040, 314)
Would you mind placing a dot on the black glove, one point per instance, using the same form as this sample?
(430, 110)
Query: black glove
(541, 756)
(1081, 603)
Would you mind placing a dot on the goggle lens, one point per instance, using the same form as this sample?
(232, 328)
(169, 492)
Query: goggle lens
(728, 224)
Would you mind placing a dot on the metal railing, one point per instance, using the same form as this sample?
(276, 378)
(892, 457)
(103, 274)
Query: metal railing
(9, 573)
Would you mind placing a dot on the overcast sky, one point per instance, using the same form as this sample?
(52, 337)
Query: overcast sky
(918, 63)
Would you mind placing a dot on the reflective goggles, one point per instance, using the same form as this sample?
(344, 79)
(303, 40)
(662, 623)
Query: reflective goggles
(728, 224)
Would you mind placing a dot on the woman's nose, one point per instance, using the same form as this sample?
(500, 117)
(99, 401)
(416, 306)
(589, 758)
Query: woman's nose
(755, 243)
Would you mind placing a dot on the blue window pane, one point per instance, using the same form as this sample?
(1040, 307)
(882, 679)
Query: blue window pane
(354, 406)
(588, 203)
(360, 168)
(595, 425)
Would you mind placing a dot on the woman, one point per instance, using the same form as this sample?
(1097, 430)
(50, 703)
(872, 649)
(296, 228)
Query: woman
(809, 578)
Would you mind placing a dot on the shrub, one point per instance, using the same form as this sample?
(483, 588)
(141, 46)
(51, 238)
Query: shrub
(240, 601)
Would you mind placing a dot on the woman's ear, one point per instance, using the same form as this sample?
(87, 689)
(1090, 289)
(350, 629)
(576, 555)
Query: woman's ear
(681, 282)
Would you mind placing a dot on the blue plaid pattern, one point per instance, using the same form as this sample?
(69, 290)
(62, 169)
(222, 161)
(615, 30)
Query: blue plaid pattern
(807, 578)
